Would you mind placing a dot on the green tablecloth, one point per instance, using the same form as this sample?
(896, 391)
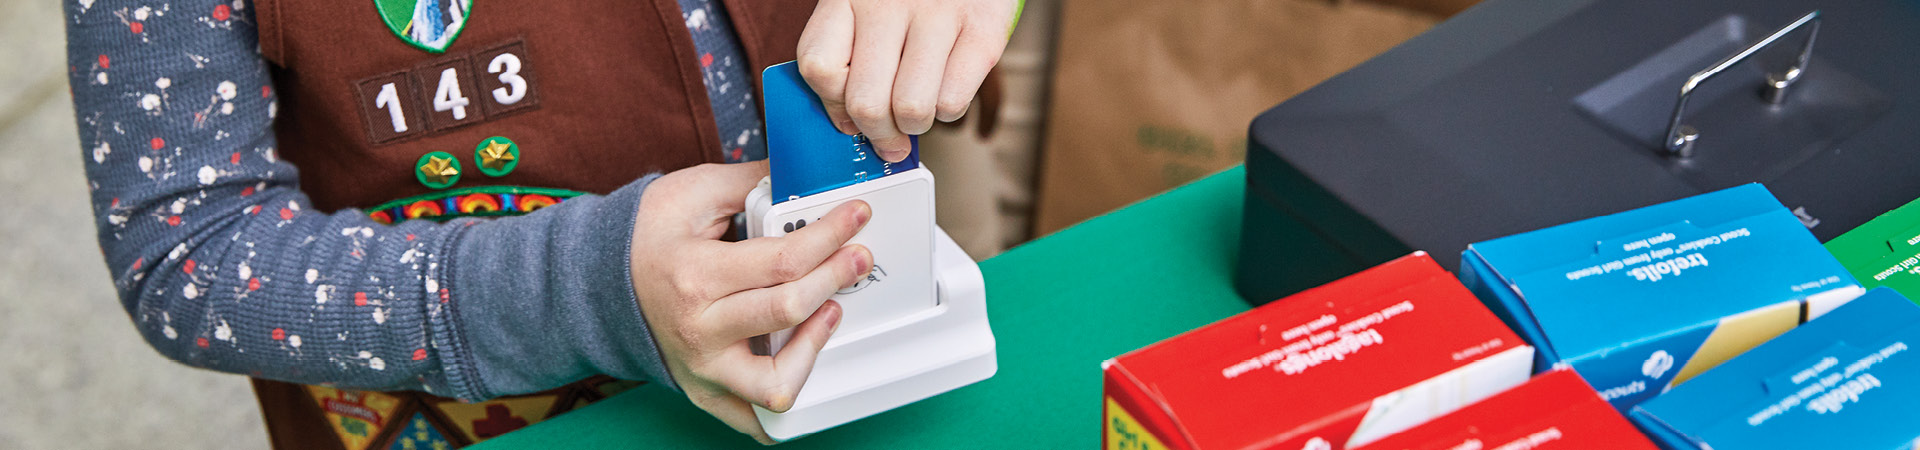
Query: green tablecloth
(1059, 305)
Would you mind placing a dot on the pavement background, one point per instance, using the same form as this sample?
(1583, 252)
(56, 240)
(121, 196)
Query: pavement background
(74, 374)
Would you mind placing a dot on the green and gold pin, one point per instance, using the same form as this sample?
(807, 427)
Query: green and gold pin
(496, 156)
(437, 170)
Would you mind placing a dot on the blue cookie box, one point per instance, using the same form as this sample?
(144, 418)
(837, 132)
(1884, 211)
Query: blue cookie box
(1630, 300)
(1849, 379)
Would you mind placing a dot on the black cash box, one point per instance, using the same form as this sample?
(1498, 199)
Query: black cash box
(1522, 114)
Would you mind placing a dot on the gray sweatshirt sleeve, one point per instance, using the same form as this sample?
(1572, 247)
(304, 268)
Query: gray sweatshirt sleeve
(221, 262)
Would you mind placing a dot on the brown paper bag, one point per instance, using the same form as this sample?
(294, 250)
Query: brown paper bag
(1148, 95)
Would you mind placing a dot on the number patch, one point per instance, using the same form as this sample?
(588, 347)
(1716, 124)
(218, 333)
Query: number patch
(448, 92)
(505, 78)
(391, 111)
(446, 83)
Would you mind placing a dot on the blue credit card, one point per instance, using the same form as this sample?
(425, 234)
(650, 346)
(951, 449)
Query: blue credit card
(806, 154)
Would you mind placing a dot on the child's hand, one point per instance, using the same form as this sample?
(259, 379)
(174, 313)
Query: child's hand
(888, 68)
(704, 297)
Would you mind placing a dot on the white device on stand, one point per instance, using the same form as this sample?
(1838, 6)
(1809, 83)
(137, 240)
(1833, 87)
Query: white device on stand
(916, 327)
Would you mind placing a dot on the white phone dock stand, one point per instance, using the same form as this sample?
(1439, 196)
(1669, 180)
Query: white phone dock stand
(917, 327)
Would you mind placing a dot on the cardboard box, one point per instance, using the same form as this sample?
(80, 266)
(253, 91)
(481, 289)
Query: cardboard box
(1147, 95)
(1335, 366)
(1849, 380)
(1553, 411)
(1884, 251)
(1645, 299)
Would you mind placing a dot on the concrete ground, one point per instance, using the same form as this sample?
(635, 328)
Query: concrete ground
(73, 373)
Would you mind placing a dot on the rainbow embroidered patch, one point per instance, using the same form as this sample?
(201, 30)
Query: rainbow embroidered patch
(479, 201)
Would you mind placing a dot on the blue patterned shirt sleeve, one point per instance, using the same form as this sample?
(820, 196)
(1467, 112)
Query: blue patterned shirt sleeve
(725, 71)
(222, 263)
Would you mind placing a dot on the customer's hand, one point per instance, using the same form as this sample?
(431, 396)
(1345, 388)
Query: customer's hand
(703, 297)
(889, 68)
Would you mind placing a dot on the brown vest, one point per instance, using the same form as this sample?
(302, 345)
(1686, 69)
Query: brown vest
(614, 92)
(608, 92)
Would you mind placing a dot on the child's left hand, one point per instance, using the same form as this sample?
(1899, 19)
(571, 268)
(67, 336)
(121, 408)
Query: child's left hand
(889, 68)
(703, 297)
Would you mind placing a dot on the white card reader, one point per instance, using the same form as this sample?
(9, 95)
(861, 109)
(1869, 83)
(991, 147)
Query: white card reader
(914, 328)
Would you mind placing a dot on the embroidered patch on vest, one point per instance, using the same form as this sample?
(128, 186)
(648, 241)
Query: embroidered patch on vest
(477, 201)
(485, 420)
(452, 81)
(430, 25)
(507, 80)
(451, 91)
(420, 434)
(394, 114)
(356, 416)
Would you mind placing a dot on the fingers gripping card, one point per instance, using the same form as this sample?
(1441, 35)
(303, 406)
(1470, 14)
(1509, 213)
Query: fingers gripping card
(806, 153)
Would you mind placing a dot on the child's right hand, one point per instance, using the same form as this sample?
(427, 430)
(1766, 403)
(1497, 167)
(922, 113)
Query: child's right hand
(703, 297)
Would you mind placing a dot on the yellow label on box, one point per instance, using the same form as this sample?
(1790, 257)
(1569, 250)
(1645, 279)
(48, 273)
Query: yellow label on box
(1124, 433)
(1738, 333)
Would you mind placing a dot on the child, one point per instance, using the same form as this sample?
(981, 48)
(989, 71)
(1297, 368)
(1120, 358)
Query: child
(465, 200)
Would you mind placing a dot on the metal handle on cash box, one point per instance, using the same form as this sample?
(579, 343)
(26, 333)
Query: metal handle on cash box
(1680, 137)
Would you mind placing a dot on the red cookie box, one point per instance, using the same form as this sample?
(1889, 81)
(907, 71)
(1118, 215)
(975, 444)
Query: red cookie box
(1554, 411)
(1332, 367)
